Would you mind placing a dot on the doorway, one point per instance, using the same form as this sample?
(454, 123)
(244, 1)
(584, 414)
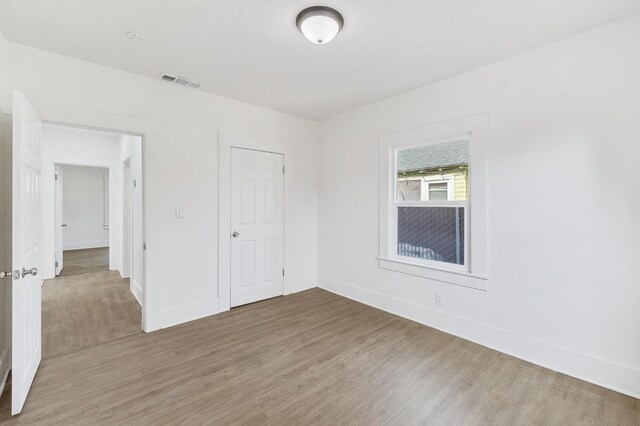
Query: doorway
(31, 150)
(82, 219)
(257, 225)
(92, 294)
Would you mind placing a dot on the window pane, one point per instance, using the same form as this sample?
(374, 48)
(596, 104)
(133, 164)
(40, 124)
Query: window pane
(447, 161)
(433, 233)
(437, 195)
(438, 191)
(409, 190)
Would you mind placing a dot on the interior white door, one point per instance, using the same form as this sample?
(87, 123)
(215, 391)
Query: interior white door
(26, 285)
(257, 226)
(59, 220)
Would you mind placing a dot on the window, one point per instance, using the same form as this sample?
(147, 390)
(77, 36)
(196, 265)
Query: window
(438, 191)
(432, 196)
(433, 202)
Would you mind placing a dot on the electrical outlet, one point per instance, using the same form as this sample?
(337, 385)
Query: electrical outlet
(439, 299)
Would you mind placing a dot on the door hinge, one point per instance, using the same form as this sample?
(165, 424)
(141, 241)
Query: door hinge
(56, 176)
(144, 246)
(56, 263)
(282, 169)
(134, 183)
(283, 272)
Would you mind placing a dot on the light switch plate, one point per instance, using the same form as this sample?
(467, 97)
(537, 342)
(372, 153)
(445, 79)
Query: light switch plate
(179, 212)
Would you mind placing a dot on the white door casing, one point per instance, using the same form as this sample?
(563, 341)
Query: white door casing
(126, 219)
(59, 219)
(257, 226)
(26, 289)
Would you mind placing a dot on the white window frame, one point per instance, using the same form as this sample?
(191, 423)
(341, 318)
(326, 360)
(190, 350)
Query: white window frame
(474, 273)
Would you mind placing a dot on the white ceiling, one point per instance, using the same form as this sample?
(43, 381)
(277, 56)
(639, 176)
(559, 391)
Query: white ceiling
(251, 50)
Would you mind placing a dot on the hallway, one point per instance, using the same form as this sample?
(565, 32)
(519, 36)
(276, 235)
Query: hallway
(85, 260)
(85, 310)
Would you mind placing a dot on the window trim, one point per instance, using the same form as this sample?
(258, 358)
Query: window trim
(474, 273)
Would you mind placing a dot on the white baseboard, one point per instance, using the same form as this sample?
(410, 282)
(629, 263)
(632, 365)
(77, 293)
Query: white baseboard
(79, 245)
(4, 368)
(602, 372)
(189, 312)
(136, 289)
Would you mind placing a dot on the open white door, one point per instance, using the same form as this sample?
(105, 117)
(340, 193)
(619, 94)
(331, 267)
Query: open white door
(59, 220)
(257, 226)
(26, 286)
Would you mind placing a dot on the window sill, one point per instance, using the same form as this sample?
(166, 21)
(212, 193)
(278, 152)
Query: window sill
(439, 274)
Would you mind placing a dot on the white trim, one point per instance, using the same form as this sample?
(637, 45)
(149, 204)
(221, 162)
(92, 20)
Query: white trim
(80, 245)
(225, 143)
(434, 272)
(473, 128)
(189, 312)
(136, 289)
(602, 372)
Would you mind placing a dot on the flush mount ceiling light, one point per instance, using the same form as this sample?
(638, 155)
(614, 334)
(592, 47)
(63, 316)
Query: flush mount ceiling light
(319, 24)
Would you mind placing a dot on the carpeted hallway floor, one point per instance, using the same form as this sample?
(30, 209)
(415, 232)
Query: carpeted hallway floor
(85, 260)
(88, 309)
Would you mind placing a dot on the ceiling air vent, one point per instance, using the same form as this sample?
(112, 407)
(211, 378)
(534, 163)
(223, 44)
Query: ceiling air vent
(169, 78)
(180, 80)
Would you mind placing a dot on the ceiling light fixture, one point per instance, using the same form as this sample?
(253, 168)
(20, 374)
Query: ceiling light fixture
(319, 24)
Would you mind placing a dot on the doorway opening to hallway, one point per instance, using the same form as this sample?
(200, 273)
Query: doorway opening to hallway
(92, 238)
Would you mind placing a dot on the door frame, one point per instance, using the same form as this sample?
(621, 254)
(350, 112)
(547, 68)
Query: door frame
(78, 162)
(150, 132)
(227, 141)
(127, 211)
(58, 213)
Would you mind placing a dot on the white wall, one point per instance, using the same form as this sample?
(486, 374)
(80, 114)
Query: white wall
(180, 167)
(83, 207)
(564, 234)
(70, 146)
(4, 73)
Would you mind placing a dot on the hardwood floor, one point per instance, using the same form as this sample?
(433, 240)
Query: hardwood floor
(309, 358)
(85, 260)
(86, 310)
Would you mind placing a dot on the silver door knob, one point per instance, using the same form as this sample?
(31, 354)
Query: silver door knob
(32, 271)
(235, 234)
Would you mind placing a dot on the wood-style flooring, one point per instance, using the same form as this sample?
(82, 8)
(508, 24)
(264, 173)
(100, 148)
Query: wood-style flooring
(309, 358)
(85, 260)
(86, 310)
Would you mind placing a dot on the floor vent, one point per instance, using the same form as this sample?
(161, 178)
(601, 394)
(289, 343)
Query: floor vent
(180, 80)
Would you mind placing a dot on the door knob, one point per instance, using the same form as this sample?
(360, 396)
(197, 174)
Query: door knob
(235, 234)
(32, 271)
(64, 225)
(5, 274)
